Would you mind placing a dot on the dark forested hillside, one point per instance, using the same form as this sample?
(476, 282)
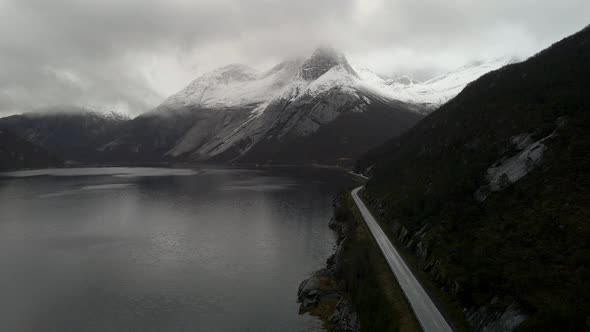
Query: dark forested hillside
(493, 190)
(71, 135)
(17, 153)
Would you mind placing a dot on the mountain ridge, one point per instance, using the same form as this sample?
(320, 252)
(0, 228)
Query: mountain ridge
(237, 114)
(325, 78)
(435, 91)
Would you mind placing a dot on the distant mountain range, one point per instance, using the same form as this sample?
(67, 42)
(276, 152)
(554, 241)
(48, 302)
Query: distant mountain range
(436, 91)
(317, 110)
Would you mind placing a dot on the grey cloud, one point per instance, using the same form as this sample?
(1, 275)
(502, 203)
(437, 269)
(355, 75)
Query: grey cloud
(129, 54)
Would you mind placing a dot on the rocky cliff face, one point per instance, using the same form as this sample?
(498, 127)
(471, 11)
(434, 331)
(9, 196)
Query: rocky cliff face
(321, 61)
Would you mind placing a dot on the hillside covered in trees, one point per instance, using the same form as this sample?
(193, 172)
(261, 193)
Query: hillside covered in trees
(492, 191)
(16, 153)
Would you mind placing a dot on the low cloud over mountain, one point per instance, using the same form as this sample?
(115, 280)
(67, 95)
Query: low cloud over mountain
(129, 55)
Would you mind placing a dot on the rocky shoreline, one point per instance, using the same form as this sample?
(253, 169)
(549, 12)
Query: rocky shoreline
(323, 294)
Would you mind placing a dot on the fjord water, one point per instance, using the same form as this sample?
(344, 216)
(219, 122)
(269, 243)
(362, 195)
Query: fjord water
(148, 249)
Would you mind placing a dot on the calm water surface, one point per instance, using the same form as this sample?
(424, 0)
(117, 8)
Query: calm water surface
(148, 249)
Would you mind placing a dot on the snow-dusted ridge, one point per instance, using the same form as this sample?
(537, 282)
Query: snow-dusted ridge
(70, 110)
(239, 106)
(318, 110)
(433, 92)
(234, 86)
(239, 86)
(234, 98)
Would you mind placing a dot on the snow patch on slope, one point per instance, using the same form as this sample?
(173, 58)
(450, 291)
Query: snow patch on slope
(234, 86)
(337, 77)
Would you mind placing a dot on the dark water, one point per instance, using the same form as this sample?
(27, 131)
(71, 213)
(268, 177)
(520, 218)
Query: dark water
(136, 249)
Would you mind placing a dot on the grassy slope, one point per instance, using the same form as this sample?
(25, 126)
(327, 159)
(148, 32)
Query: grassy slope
(531, 240)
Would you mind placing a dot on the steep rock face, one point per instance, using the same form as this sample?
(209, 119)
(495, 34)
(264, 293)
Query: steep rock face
(219, 108)
(288, 113)
(486, 319)
(321, 61)
(336, 128)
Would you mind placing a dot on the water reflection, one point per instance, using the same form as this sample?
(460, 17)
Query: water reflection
(208, 250)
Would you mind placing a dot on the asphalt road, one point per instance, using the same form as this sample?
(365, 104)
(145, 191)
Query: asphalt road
(426, 312)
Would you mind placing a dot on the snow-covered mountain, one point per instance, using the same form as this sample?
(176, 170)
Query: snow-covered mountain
(242, 112)
(436, 91)
(234, 86)
(314, 110)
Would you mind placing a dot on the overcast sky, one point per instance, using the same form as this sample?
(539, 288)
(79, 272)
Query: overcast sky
(128, 55)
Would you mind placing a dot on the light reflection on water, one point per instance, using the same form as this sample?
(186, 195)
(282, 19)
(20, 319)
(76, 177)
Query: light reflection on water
(95, 171)
(161, 249)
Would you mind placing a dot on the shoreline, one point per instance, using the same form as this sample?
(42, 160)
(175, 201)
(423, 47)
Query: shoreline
(323, 294)
(171, 164)
(356, 290)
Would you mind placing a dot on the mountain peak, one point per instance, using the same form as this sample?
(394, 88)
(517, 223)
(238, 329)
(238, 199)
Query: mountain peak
(322, 60)
(327, 51)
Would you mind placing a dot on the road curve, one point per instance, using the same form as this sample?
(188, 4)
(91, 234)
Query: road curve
(426, 312)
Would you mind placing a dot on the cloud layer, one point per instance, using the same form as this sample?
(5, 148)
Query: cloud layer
(128, 55)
